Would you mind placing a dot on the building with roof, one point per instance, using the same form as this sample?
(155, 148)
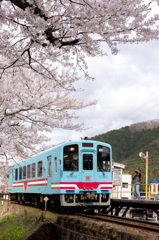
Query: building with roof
(121, 182)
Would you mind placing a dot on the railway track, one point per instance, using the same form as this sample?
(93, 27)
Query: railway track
(120, 221)
(126, 222)
(125, 225)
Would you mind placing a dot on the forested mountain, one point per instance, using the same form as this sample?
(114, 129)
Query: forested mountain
(129, 141)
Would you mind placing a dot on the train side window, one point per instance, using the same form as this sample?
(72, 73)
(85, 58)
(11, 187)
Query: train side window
(40, 168)
(55, 164)
(28, 171)
(33, 170)
(49, 166)
(16, 174)
(103, 158)
(20, 173)
(71, 158)
(24, 172)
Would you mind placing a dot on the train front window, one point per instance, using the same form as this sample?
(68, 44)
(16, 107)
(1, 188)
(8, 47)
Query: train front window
(70, 158)
(87, 161)
(103, 158)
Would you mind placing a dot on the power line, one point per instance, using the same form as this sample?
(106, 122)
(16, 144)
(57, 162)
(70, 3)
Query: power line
(139, 114)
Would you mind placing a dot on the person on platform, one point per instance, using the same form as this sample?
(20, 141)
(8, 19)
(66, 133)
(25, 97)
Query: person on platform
(136, 182)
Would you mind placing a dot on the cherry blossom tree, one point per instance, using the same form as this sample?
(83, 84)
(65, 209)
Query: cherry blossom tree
(32, 105)
(43, 47)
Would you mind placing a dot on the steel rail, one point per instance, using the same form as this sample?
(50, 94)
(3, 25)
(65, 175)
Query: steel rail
(136, 221)
(133, 223)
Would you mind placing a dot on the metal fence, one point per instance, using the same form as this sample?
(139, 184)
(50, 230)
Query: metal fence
(147, 191)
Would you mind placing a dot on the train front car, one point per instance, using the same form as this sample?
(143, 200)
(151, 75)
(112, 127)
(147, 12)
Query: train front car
(86, 177)
(71, 174)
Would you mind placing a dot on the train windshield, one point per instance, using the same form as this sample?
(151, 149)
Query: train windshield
(70, 158)
(103, 158)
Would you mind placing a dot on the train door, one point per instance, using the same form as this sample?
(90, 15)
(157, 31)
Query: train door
(50, 173)
(10, 178)
(88, 170)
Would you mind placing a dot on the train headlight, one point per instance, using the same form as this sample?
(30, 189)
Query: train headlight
(100, 150)
(72, 149)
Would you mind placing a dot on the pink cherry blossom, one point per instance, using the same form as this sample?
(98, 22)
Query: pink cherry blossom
(43, 47)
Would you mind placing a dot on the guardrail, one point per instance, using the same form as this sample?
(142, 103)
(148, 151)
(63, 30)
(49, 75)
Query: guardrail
(127, 192)
(4, 195)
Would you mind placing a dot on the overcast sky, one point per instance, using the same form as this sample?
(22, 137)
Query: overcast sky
(127, 89)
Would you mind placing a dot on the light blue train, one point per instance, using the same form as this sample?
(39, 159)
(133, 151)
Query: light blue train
(77, 173)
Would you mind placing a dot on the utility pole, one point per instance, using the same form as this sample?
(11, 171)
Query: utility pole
(146, 172)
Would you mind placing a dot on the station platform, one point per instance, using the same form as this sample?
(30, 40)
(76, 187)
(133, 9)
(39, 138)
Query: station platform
(119, 204)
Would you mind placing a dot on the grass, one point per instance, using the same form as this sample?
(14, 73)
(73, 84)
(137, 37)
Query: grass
(7, 218)
(13, 232)
(16, 225)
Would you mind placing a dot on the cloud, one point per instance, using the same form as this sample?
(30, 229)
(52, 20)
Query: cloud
(126, 87)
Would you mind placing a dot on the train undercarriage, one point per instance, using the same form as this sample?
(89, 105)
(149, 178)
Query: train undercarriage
(87, 199)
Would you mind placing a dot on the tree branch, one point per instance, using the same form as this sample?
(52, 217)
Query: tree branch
(23, 4)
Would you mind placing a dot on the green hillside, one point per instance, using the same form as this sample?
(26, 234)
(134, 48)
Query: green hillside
(128, 142)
